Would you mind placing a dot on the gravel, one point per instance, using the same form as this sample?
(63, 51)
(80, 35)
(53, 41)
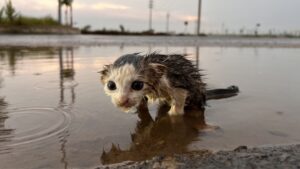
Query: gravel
(280, 157)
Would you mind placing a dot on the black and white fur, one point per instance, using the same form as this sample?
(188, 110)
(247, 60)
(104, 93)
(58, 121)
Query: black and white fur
(171, 79)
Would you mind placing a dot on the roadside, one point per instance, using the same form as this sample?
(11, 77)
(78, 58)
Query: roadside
(38, 29)
(287, 156)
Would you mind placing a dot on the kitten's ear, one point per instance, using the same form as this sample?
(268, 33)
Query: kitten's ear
(156, 70)
(104, 73)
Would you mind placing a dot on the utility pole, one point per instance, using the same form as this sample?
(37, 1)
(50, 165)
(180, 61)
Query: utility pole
(71, 14)
(199, 17)
(167, 24)
(59, 11)
(150, 14)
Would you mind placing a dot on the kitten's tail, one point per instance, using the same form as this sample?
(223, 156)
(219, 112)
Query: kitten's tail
(221, 93)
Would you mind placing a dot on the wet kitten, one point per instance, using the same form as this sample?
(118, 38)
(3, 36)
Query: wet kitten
(172, 79)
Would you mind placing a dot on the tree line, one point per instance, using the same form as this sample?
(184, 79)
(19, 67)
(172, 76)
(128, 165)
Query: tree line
(9, 16)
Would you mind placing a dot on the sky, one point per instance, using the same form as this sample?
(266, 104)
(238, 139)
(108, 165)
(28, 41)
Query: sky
(217, 16)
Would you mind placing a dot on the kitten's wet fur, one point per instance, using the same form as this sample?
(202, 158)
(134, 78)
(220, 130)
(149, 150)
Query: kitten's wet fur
(171, 79)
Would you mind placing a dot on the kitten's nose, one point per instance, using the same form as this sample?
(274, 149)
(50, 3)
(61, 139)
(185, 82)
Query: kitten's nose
(123, 101)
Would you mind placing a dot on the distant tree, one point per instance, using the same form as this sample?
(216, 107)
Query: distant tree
(10, 12)
(122, 28)
(186, 23)
(256, 29)
(242, 30)
(1, 14)
(86, 28)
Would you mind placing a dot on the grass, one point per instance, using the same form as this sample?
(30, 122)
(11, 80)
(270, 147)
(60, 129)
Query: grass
(29, 21)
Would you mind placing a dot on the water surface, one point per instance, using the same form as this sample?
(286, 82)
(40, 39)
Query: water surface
(54, 113)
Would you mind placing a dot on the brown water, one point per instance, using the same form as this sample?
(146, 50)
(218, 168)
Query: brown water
(54, 114)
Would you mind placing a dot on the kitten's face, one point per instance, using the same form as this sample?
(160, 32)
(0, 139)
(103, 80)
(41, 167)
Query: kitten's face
(124, 85)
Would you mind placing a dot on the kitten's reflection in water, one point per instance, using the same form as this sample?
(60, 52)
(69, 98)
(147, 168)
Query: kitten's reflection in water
(163, 136)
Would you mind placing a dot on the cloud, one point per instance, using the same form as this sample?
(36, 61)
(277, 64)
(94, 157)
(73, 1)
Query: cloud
(34, 5)
(190, 18)
(41, 5)
(104, 6)
(100, 6)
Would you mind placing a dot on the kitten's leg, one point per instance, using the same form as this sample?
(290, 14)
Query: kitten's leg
(178, 101)
(142, 109)
(163, 109)
(144, 115)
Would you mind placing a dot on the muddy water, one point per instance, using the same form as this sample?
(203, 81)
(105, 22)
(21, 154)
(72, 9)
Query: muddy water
(54, 114)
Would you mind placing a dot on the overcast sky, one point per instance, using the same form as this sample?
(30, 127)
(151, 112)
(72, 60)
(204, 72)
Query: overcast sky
(217, 15)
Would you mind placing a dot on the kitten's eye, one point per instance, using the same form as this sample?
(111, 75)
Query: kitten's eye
(111, 85)
(137, 85)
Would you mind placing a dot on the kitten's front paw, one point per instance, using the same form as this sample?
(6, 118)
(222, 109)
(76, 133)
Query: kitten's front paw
(131, 110)
(175, 112)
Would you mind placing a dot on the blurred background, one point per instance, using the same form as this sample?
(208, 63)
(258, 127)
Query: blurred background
(238, 17)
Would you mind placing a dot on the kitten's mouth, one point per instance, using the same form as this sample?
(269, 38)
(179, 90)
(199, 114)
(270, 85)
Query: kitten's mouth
(130, 108)
(127, 105)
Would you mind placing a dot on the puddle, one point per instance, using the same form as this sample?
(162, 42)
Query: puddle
(79, 121)
(163, 135)
(56, 85)
(28, 125)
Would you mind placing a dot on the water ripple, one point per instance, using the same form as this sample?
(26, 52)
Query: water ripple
(28, 125)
